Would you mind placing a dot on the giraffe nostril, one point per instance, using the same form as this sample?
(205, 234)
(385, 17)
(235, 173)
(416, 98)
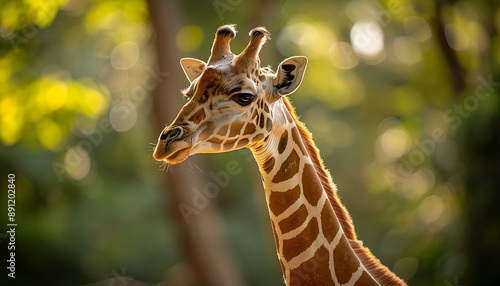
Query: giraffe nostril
(171, 134)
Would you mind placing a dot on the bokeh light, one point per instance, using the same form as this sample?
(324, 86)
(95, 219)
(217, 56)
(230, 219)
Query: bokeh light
(76, 119)
(393, 141)
(417, 184)
(49, 133)
(432, 211)
(342, 55)
(417, 28)
(125, 55)
(77, 162)
(123, 116)
(457, 37)
(367, 39)
(189, 38)
(407, 50)
(114, 79)
(313, 39)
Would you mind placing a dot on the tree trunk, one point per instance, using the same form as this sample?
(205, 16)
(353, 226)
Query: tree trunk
(202, 246)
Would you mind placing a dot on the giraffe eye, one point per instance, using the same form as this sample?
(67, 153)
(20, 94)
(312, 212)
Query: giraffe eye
(243, 99)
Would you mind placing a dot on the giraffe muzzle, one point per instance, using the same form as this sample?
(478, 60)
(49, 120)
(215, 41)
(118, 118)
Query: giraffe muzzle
(171, 135)
(171, 147)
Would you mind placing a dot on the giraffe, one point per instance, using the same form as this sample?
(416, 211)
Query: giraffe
(234, 103)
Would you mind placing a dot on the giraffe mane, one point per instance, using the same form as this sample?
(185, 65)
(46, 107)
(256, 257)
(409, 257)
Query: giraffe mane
(376, 269)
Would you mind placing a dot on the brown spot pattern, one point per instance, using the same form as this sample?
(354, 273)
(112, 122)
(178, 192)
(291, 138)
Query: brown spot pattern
(242, 143)
(258, 137)
(283, 142)
(329, 225)
(235, 129)
(198, 116)
(365, 280)
(295, 246)
(249, 129)
(269, 165)
(255, 114)
(223, 130)
(345, 261)
(229, 144)
(269, 124)
(204, 97)
(315, 271)
(261, 121)
(294, 220)
(288, 169)
(260, 104)
(312, 185)
(216, 140)
(280, 201)
(298, 141)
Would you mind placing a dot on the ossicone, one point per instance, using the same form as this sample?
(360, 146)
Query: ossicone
(221, 48)
(250, 55)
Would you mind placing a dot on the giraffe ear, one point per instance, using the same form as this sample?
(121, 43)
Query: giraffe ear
(192, 67)
(289, 75)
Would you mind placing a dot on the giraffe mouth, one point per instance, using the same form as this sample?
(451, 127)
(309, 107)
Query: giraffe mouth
(175, 154)
(178, 156)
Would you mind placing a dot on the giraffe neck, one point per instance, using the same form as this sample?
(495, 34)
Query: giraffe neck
(314, 236)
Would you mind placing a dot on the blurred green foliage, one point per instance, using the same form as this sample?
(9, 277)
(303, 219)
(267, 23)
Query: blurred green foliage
(380, 101)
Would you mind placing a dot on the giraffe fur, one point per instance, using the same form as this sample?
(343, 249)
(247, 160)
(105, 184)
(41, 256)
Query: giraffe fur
(234, 103)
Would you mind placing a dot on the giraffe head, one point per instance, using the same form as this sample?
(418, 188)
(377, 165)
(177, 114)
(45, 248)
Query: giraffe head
(229, 100)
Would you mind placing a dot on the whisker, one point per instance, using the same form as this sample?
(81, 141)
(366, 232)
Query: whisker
(165, 167)
(152, 147)
(196, 165)
(190, 167)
